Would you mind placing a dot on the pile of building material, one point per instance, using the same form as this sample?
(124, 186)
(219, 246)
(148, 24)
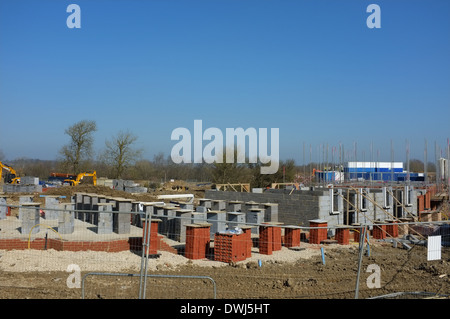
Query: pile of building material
(28, 184)
(128, 186)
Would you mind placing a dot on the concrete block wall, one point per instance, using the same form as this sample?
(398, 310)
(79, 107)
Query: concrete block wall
(218, 205)
(18, 188)
(30, 213)
(255, 216)
(270, 212)
(95, 200)
(414, 203)
(169, 220)
(380, 212)
(137, 189)
(218, 221)
(51, 203)
(236, 219)
(300, 206)
(234, 206)
(105, 218)
(128, 186)
(294, 209)
(184, 218)
(3, 209)
(198, 217)
(29, 180)
(66, 218)
(121, 219)
(205, 202)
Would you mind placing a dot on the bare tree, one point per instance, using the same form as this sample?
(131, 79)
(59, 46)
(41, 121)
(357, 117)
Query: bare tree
(120, 154)
(79, 149)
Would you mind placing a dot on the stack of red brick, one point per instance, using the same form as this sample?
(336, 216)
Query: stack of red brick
(229, 247)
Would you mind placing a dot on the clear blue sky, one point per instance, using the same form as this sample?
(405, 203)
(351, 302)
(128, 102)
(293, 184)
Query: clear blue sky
(313, 69)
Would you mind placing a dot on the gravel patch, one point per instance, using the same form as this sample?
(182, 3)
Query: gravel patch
(52, 260)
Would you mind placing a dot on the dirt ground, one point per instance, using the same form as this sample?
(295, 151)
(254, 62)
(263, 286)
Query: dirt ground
(401, 270)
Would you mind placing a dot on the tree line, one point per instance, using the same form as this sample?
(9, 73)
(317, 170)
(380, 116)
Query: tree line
(120, 159)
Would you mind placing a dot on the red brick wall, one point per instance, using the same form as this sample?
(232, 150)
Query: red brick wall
(57, 244)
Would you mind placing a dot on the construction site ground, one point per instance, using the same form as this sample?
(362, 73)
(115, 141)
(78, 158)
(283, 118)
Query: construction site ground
(287, 274)
(304, 278)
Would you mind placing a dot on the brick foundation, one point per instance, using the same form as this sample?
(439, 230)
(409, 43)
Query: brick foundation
(420, 203)
(379, 231)
(343, 236)
(292, 237)
(276, 235)
(357, 232)
(427, 200)
(154, 238)
(316, 235)
(392, 229)
(266, 240)
(62, 245)
(248, 240)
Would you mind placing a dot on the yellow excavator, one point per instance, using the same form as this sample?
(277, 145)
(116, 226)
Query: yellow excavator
(76, 181)
(11, 176)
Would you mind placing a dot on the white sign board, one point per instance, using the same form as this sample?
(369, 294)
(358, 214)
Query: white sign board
(434, 248)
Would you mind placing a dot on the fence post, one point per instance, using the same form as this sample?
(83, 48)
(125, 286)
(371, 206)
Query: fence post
(145, 245)
(361, 249)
